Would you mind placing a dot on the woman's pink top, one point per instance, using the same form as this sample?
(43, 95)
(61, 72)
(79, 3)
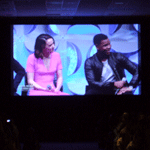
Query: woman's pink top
(42, 75)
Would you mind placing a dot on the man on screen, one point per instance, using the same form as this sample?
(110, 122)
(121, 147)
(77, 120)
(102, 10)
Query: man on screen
(20, 73)
(104, 71)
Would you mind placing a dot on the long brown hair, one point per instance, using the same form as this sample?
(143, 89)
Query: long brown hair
(40, 44)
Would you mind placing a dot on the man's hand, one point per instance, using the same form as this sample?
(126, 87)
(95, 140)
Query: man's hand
(119, 84)
(124, 90)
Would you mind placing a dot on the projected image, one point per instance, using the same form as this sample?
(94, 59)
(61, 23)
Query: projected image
(63, 60)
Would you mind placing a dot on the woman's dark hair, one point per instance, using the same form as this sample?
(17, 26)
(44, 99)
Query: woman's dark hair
(40, 44)
(98, 38)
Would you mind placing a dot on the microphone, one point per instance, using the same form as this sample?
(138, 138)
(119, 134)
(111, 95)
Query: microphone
(49, 87)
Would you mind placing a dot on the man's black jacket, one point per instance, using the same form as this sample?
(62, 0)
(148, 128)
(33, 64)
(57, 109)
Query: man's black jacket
(118, 62)
(20, 72)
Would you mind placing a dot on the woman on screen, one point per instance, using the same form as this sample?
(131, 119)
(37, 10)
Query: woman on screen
(42, 66)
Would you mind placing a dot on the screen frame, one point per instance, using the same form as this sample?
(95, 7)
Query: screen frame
(10, 21)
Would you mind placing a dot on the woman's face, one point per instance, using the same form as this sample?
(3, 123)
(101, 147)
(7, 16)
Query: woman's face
(49, 47)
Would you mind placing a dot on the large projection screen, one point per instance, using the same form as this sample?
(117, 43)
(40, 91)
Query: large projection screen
(74, 43)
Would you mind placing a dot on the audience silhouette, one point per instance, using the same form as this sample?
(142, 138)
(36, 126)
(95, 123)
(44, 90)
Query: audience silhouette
(130, 132)
(9, 134)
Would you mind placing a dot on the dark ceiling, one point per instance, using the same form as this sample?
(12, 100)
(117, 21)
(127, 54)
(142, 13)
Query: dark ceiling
(74, 7)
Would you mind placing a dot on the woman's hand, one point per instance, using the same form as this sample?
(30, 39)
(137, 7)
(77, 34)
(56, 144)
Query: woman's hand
(52, 89)
(49, 88)
(56, 90)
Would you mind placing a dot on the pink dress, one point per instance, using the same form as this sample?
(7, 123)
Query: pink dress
(42, 75)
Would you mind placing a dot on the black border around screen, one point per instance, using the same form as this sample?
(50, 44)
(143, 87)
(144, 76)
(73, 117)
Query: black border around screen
(8, 22)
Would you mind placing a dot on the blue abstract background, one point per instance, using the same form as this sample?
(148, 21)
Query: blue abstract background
(75, 45)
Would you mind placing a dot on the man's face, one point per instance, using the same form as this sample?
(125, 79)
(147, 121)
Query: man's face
(104, 47)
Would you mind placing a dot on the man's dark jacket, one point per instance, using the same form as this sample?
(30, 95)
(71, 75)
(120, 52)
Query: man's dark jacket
(118, 62)
(20, 72)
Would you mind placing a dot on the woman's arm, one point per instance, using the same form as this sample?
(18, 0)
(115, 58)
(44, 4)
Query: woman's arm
(59, 80)
(30, 80)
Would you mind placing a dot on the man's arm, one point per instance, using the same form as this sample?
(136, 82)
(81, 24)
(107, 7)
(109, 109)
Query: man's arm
(90, 77)
(134, 70)
(20, 72)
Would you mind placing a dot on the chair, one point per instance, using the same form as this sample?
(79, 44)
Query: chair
(87, 88)
(24, 92)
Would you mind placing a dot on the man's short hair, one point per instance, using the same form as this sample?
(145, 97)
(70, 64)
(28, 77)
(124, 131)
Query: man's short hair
(98, 38)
